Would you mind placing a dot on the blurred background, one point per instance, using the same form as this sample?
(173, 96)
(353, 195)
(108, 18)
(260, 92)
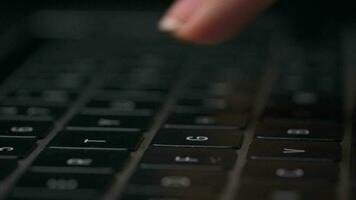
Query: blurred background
(23, 23)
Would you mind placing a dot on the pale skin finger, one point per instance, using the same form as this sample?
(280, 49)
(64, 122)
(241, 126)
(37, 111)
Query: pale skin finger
(214, 21)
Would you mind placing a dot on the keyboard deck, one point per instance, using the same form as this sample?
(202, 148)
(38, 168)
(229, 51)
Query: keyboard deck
(262, 118)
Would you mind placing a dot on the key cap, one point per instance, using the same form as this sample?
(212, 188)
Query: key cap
(196, 192)
(124, 105)
(80, 161)
(322, 113)
(285, 191)
(14, 148)
(295, 150)
(61, 186)
(62, 81)
(182, 183)
(299, 130)
(151, 84)
(97, 140)
(29, 112)
(111, 122)
(203, 138)
(222, 119)
(304, 105)
(33, 97)
(207, 92)
(178, 178)
(295, 172)
(134, 95)
(237, 103)
(6, 166)
(24, 129)
(187, 158)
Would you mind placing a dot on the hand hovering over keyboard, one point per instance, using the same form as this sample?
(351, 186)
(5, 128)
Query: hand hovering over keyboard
(210, 21)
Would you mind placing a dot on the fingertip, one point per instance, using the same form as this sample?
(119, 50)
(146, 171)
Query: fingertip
(178, 14)
(169, 24)
(214, 21)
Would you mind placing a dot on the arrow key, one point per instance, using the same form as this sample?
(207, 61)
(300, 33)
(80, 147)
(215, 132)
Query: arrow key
(295, 150)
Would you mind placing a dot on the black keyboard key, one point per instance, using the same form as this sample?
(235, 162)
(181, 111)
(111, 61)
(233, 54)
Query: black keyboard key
(150, 84)
(80, 161)
(40, 97)
(198, 105)
(295, 150)
(111, 122)
(187, 183)
(296, 172)
(178, 178)
(304, 105)
(24, 129)
(203, 138)
(196, 192)
(134, 95)
(61, 186)
(62, 81)
(97, 140)
(323, 113)
(30, 112)
(187, 158)
(14, 148)
(305, 98)
(223, 119)
(285, 192)
(299, 130)
(6, 166)
(124, 105)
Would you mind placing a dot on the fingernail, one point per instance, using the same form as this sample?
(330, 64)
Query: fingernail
(169, 24)
(178, 14)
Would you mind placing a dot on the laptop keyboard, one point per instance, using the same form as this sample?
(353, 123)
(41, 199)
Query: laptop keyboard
(86, 120)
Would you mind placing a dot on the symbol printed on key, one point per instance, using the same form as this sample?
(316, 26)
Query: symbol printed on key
(175, 181)
(7, 149)
(108, 122)
(94, 141)
(79, 161)
(186, 159)
(286, 173)
(293, 151)
(197, 138)
(62, 184)
(23, 129)
(298, 131)
(205, 120)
